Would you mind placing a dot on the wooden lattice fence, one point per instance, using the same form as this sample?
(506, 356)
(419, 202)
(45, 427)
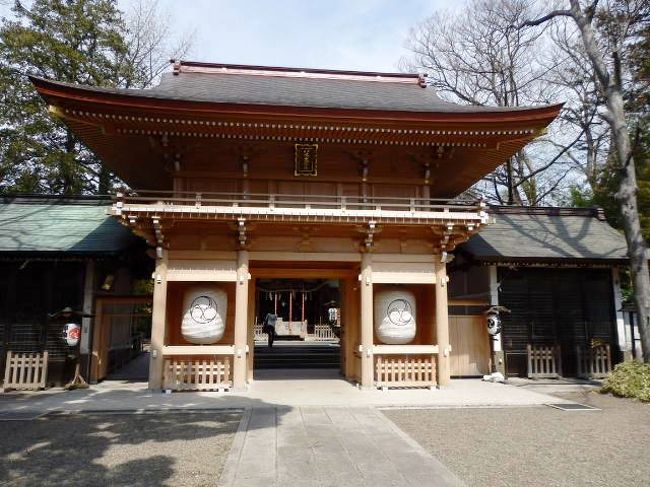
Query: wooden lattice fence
(594, 362)
(197, 375)
(323, 333)
(405, 371)
(544, 361)
(25, 371)
(259, 334)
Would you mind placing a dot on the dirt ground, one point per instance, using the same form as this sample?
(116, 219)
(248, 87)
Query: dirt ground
(162, 448)
(539, 446)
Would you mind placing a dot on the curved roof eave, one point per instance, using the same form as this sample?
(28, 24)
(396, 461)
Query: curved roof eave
(51, 90)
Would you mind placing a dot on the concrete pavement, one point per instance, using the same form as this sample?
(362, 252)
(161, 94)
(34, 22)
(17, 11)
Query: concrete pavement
(276, 388)
(324, 446)
(300, 427)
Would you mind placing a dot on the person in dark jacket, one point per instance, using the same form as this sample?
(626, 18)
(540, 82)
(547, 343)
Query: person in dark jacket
(269, 326)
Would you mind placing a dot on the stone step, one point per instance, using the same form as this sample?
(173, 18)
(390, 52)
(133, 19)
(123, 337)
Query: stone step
(297, 357)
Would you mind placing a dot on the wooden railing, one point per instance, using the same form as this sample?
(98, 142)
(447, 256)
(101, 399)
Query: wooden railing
(198, 367)
(544, 362)
(405, 365)
(257, 204)
(197, 374)
(25, 371)
(323, 333)
(259, 334)
(594, 362)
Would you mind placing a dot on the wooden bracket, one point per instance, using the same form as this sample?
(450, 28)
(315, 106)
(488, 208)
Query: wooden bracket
(241, 229)
(368, 243)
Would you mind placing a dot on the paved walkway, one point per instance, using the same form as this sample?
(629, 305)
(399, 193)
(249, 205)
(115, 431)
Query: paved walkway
(300, 428)
(137, 370)
(277, 388)
(321, 446)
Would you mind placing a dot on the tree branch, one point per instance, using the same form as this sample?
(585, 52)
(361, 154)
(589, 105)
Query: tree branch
(545, 18)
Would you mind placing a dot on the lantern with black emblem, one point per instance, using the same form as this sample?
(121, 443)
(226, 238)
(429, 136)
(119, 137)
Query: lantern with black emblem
(493, 319)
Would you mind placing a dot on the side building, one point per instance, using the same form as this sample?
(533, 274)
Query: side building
(557, 271)
(58, 253)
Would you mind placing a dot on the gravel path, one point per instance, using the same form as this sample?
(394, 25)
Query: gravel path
(162, 448)
(539, 446)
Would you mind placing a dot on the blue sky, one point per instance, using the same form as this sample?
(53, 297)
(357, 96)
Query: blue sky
(337, 34)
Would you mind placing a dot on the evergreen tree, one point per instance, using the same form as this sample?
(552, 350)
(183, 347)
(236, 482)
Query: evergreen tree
(76, 41)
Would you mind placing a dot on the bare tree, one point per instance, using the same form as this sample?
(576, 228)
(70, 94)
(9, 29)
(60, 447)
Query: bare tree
(151, 43)
(605, 29)
(582, 112)
(475, 57)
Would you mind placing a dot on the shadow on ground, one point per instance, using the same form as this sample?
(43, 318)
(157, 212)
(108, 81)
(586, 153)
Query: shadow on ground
(538, 446)
(180, 448)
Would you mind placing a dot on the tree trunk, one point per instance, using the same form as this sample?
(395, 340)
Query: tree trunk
(509, 179)
(626, 194)
(104, 184)
(626, 197)
(66, 176)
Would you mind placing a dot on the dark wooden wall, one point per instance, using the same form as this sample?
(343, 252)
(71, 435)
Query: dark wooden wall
(29, 292)
(391, 171)
(549, 306)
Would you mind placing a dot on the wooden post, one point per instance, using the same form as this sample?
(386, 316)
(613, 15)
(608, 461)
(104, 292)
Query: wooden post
(158, 322)
(290, 308)
(97, 332)
(86, 322)
(498, 357)
(442, 323)
(241, 322)
(349, 325)
(89, 288)
(302, 312)
(366, 322)
(624, 340)
(252, 318)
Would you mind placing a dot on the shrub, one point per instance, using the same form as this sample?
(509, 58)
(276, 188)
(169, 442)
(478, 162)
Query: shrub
(629, 379)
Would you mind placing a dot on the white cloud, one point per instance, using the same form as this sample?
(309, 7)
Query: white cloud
(337, 34)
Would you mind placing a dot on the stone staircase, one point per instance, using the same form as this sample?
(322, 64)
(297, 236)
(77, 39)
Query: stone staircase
(297, 355)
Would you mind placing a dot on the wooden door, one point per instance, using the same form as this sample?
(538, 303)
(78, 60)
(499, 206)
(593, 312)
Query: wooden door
(470, 346)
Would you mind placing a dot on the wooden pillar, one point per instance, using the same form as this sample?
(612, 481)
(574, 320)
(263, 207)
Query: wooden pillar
(302, 312)
(350, 325)
(496, 342)
(442, 323)
(241, 322)
(96, 355)
(158, 322)
(86, 321)
(290, 307)
(252, 318)
(367, 376)
(623, 337)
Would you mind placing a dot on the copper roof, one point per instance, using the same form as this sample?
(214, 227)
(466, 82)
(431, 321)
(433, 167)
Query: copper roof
(295, 87)
(203, 101)
(521, 234)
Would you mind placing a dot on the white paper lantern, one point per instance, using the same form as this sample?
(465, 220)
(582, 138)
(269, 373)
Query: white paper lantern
(204, 315)
(71, 334)
(395, 314)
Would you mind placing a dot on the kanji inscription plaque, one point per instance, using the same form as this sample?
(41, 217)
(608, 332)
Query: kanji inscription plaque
(306, 160)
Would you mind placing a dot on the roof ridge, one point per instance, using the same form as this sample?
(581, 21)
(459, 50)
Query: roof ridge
(34, 198)
(181, 66)
(594, 212)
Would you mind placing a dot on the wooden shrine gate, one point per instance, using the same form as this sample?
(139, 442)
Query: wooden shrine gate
(115, 338)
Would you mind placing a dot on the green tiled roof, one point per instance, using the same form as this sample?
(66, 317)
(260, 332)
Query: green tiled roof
(55, 225)
(547, 234)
